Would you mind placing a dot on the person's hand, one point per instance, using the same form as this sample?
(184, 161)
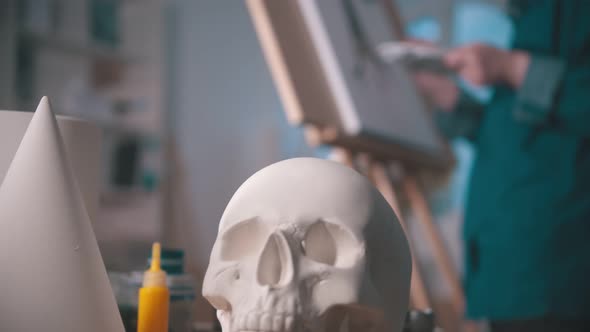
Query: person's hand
(482, 64)
(439, 90)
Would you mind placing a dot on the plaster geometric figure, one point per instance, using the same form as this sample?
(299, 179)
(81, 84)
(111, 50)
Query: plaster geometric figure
(304, 240)
(82, 142)
(52, 276)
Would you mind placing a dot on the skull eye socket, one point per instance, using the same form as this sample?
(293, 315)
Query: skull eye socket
(243, 239)
(330, 244)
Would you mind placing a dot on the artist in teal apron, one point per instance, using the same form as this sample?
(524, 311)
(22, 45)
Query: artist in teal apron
(527, 220)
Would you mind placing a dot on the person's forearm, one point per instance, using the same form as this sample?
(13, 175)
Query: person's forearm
(554, 95)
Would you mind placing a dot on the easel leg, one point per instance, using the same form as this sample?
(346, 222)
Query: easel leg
(424, 217)
(418, 292)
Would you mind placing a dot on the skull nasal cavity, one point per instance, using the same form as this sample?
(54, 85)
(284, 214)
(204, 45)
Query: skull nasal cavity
(275, 265)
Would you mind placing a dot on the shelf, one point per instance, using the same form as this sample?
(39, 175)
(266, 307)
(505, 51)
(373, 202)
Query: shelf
(77, 48)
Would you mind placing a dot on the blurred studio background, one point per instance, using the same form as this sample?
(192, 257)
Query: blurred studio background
(189, 111)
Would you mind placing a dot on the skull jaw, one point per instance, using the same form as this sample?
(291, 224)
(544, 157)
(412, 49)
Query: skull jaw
(338, 318)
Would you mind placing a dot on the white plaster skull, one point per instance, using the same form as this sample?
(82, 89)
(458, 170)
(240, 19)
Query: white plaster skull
(300, 237)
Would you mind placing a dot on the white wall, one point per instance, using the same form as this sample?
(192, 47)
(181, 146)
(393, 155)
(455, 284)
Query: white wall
(227, 118)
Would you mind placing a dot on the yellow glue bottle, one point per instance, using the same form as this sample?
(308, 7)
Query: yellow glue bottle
(154, 297)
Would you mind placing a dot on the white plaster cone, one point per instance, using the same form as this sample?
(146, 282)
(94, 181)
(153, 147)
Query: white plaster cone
(52, 277)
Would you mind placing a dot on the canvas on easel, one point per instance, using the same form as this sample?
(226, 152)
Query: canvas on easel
(323, 58)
